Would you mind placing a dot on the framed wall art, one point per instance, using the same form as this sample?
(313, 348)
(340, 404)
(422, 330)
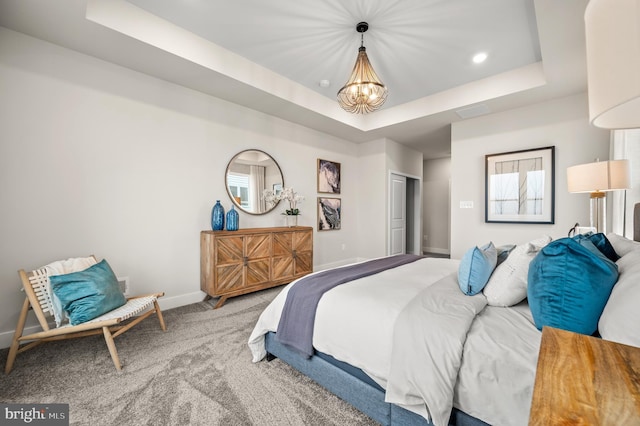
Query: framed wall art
(329, 213)
(520, 186)
(328, 177)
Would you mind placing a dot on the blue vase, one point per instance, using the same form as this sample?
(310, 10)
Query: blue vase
(233, 219)
(217, 217)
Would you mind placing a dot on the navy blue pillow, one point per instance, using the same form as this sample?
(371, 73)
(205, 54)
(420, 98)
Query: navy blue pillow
(569, 285)
(601, 242)
(503, 252)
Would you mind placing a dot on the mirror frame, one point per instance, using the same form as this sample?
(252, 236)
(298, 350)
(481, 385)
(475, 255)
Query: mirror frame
(226, 185)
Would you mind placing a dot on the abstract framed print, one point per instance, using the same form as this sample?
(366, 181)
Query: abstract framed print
(329, 214)
(328, 177)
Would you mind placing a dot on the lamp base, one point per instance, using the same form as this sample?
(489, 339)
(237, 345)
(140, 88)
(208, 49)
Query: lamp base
(598, 211)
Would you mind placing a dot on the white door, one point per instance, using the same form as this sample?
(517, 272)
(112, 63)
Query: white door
(398, 214)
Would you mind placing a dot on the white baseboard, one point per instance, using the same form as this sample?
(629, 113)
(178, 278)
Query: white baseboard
(337, 264)
(181, 300)
(435, 250)
(165, 304)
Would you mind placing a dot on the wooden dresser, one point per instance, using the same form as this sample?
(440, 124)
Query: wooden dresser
(239, 262)
(585, 380)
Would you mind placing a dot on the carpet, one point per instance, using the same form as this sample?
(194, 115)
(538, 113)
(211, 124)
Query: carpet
(199, 372)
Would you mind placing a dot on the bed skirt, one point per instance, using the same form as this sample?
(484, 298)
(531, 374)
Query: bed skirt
(366, 397)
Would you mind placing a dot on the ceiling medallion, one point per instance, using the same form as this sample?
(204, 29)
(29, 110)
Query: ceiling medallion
(363, 92)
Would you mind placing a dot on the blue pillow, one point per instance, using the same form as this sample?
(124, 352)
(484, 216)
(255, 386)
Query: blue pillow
(601, 242)
(88, 294)
(475, 268)
(569, 285)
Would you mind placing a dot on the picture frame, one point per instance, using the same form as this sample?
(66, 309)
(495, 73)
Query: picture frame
(329, 214)
(277, 188)
(520, 186)
(329, 178)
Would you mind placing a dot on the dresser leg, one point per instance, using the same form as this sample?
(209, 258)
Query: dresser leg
(220, 302)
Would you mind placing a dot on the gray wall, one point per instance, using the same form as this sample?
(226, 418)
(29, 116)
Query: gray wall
(436, 225)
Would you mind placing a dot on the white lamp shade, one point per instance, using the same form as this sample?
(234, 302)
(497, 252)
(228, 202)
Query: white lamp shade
(599, 176)
(613, 63)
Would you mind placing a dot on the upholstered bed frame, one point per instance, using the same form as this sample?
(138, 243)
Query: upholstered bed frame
(351, 384)
(355, 387)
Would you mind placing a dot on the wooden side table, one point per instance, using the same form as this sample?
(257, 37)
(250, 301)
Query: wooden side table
(585, 380)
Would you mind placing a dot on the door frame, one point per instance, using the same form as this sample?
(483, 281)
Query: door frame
(416, 224)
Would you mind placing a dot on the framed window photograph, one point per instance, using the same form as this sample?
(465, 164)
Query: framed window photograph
(328, 177)
(329, 213)
(520, 186)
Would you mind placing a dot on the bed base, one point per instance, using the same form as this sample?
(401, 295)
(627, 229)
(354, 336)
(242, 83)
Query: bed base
(365, 397)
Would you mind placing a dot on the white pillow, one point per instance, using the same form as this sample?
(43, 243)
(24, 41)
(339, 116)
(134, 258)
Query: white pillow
(621, 244)
(620, 320)
(508, 283)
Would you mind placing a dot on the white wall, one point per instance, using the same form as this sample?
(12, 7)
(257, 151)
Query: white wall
(406, 162)
(99, 159)
(563, 123)
(373, 193)
(625, 145)
(372, 198)
(436, 226)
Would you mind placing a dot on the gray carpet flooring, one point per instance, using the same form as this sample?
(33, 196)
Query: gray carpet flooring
(199, 372)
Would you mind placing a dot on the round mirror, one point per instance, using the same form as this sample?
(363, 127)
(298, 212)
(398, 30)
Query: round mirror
(248, 174)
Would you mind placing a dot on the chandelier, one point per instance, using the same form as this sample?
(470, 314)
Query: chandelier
(363, 92)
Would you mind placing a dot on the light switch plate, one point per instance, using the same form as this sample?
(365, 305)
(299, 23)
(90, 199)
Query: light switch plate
(466, 204)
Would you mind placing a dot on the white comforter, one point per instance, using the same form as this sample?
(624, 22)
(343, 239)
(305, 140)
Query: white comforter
(358, 322)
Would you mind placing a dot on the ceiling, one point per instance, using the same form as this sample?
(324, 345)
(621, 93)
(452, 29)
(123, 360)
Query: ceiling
(271, 56)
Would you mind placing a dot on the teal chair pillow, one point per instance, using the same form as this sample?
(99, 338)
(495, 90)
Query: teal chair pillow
(88, 294)
(569, 285)
(476, 267)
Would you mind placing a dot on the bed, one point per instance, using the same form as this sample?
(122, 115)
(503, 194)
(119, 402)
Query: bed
(406, 346)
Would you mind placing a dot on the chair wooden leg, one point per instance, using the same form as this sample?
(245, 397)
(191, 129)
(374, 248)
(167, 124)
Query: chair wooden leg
(112, 347)
(160, 317)
(15, 343)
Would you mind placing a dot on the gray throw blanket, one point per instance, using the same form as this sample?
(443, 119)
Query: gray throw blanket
(295, 328)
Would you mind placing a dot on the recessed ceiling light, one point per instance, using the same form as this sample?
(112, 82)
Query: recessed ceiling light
(324, 83)
(478, 58)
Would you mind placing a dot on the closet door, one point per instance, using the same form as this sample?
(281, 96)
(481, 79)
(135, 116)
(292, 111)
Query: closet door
(398, 215)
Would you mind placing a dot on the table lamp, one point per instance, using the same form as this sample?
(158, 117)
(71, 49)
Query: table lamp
(596, 179)
(612, 30)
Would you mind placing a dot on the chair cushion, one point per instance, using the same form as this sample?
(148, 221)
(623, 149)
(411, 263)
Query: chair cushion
(569, 285)
(476, 267)
(89, 293)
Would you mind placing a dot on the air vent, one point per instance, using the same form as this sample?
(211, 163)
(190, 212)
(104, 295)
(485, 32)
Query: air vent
(123, 282)
(473, 111)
